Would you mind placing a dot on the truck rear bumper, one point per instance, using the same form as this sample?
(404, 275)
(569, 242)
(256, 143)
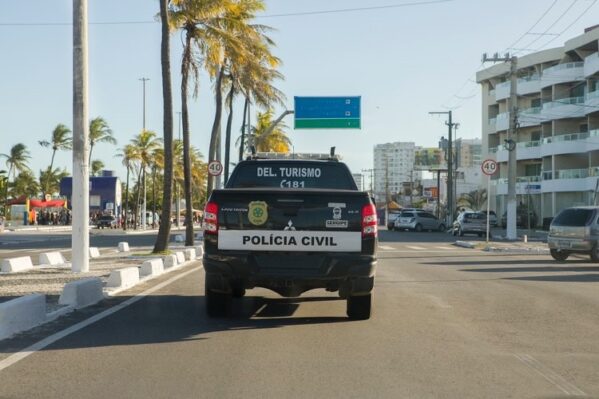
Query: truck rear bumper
(293, 273)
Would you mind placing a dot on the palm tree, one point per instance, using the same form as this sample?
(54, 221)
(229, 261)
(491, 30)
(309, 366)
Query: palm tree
(129, 155)
(268, 138)
(61, 140)
(474, 200)
(97, 167)
(99, 132)
(202, 22)
(164, 231)
(16, 159)
(145, 143)
(25, 184)
(51, 180)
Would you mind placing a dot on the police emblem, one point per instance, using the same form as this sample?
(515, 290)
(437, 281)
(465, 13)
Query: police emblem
(258, 212)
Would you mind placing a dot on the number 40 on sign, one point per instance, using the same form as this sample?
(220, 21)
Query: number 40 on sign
(215, 168)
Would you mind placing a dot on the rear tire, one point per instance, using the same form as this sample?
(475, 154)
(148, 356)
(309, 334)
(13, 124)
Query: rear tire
(359, 307)
(595, 253)
(442, 228)
(560, 256)
(418, 228)
(217, 303)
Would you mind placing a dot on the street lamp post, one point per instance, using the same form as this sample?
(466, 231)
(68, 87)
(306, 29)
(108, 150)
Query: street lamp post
(143, 208)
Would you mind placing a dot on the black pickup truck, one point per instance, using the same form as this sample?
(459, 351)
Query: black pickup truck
(290, 226)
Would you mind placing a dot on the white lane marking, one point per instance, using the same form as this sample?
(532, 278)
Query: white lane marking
(440, 302)
(419, 251)
(550, 375)
(446, 248)
(415, 247)
(12, 359)
(385, 247)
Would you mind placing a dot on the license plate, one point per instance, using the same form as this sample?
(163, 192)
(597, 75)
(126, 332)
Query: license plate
(564, 244)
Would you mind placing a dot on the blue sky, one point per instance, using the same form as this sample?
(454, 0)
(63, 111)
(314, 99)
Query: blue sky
(403, 61)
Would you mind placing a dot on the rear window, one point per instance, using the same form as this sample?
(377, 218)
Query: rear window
(286, 174)
(407, 214)
(474, 216)
(573, 217)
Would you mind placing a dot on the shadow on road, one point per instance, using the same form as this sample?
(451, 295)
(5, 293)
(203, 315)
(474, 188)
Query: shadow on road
(534, 269)
(572, 278)
(160, 319)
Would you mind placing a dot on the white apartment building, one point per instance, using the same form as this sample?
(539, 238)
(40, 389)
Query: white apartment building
(557, 146)
(393, 166)
(359, 179)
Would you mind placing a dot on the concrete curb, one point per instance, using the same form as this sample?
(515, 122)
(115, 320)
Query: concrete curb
(517, 250)
(180, 257)
(94, 252)
(170, 261)
(21, 314)
(464, 244)
(82, 293)
(190, 253)
(14, 265)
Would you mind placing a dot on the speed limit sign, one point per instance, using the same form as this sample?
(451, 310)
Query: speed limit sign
(489, 167)
(215, 168)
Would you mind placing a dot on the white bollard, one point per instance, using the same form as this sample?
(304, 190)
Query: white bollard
(52, 258)
(190, 253)
(123, 278)
(94, 252)
(14, 265)
(21, 314)
(123, 246)
(82, 293)
(151, 267)
(180, 257)
(199, 251)
(169, 261)
(525, 238)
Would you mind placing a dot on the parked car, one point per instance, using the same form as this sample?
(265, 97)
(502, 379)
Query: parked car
(418, 221)
(107, 221)
(391, 216)
(470, 223)
(575, 230)
(492, 218)
(521, 219)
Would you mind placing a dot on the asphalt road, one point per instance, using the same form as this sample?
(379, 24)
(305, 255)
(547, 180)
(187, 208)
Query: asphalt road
(448, 323)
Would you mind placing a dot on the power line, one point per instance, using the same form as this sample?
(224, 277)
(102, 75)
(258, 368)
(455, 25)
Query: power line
(533, 25)
(292, 14)
(572, 24)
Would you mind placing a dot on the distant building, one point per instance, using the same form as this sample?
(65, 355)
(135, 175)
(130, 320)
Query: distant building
(557, 143)
(393, 166)
(469, 153)
(359, 179)
(104, 192)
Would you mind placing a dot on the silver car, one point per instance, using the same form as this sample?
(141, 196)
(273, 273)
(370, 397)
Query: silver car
(418, 221)
(575, 230)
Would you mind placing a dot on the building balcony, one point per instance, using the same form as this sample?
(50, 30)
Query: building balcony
(492, 125)
(591, 102)
(502, 91)
(563, 180)
(563, 73)
(502, 121)
(492, 97)
(572, 107)
(530, 117)
(524, 150)
(591, 64)
(529, 85)
(571, 143)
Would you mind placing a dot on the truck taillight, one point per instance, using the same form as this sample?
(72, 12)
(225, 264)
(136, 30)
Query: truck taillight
(369, 224)
(211, 218)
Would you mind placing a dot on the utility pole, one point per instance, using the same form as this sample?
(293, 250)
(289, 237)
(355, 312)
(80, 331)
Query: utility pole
(143, 208)
(371, 171)
(80, 197)
(511, 231)
(450, 200)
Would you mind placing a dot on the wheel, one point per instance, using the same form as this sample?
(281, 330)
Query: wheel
(358, 307)
(441, 228)
(560, 256)
(217, 303)
(595, 253)
(238, 292)
(418, 228)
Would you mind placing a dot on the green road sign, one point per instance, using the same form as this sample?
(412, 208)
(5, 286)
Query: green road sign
(327, 113)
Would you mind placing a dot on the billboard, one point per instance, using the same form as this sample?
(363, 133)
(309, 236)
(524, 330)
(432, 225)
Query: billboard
(429, 159)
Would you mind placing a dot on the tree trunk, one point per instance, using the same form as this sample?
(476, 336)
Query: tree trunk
(154, 197)
(164, 232)
(242, 143)
(126, 198)
(91, 149)
(47, 185)
(215, 126)
(185, 65)
(228, 130)
(137, 202)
